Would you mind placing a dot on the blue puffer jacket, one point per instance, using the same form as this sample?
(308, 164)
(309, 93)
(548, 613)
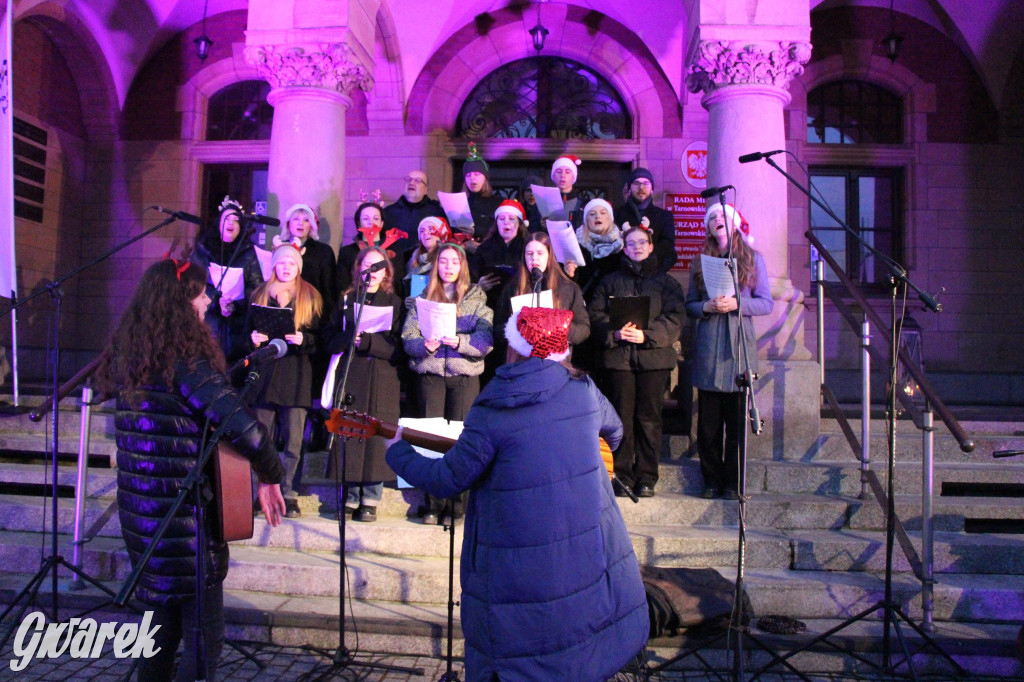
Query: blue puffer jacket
(158, 439)
(551, 589)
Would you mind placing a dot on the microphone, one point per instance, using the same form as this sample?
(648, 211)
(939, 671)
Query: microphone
(757, 156)
(272, 351)
(536, 274)
(712, 191)
(180, 215)
(257, 218)
(379, 265)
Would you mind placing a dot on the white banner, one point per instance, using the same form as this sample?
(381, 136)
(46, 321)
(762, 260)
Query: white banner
(7, 261)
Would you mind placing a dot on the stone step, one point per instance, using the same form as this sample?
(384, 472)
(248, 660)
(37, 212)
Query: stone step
(655, 543)
(424, 580)
(421, 630)
(842, 477)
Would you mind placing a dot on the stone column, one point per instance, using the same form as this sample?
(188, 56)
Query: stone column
(745, 90)
(310, 88)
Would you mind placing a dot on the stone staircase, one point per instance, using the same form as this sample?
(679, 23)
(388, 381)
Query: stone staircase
(814, 550)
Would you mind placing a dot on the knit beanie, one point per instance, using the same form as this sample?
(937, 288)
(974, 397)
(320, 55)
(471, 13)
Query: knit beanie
(475, 163)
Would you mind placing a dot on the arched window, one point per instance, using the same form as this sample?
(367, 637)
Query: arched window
(240, 112)
(854, 112)
(544, 97)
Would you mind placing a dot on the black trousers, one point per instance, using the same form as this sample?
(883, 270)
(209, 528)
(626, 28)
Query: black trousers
(719, 420)
(451, 398)
(638, 397)
(178, 624)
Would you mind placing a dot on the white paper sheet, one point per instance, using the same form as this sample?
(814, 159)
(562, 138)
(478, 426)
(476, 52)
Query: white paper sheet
(264, 257)
(549, 202)
(545, 300)
(456, 207)
(375, 318)
(564, 242)
(437, 320)
(717, 277)
(233, 286)
(439, 426)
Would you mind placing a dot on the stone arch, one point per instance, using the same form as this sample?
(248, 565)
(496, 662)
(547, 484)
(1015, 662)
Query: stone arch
(84, 58)
(384, 103)
(583, 34)
(194, 96)
(918, 96)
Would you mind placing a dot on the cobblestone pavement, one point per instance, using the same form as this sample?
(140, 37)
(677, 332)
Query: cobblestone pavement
(301, 665)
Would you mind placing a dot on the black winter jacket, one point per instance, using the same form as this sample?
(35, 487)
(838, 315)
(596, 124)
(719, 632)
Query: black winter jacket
(158, 440)
(668, 306)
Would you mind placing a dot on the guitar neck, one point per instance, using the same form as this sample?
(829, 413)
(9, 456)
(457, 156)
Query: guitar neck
(422, 439)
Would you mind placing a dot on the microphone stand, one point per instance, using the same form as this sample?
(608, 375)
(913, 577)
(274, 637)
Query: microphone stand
(55, 561)
(344, 658)
(744, 380)
(891, 611)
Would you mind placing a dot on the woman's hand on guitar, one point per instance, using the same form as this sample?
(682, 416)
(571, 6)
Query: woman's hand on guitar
(271, 502)
(394, 439)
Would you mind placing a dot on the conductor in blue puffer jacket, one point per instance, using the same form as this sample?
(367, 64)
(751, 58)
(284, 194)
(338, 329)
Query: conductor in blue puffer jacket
(551, 589)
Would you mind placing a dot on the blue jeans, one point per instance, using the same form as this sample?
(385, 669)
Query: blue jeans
(178, 622)
(363, 494)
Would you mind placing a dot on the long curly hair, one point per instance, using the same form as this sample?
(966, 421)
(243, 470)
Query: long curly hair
(435, 287)
(159, 329)
(746, 269)
(553, 274)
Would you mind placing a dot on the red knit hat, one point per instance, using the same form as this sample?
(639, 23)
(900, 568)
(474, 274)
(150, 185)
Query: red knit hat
(540, 333)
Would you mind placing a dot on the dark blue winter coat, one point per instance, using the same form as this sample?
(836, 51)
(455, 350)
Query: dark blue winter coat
(551, 589)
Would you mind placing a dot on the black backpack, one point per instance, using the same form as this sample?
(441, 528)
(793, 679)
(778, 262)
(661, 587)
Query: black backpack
(698, 600)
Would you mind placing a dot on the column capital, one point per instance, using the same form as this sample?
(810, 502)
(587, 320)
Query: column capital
(322, 65)
(721, 62)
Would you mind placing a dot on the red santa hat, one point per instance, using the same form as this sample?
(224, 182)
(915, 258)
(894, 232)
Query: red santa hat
(314, 219)
(540, 333)
(566, 161)
(731, 214)
(513, 207)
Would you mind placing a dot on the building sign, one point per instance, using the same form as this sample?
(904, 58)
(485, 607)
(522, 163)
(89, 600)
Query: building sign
(694, 164)
(688, 215)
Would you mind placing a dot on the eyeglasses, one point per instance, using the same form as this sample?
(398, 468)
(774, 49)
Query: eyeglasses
(408, 179)
(642, 183)
(639, 243)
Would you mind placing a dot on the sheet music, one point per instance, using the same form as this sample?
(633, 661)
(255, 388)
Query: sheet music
(264, 257)
(233, 286)
(545, 300)
(437, 320)
(375, 318)
(456, 207)
(549, 202)
(717, 276)
(564, 242)
(438, 426)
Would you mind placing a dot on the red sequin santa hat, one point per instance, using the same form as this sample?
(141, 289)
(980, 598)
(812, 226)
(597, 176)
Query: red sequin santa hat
(540, 333)
(566, 161)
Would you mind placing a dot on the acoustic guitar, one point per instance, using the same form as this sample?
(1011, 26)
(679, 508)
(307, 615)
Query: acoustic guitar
(352, 424)
(232, 488)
